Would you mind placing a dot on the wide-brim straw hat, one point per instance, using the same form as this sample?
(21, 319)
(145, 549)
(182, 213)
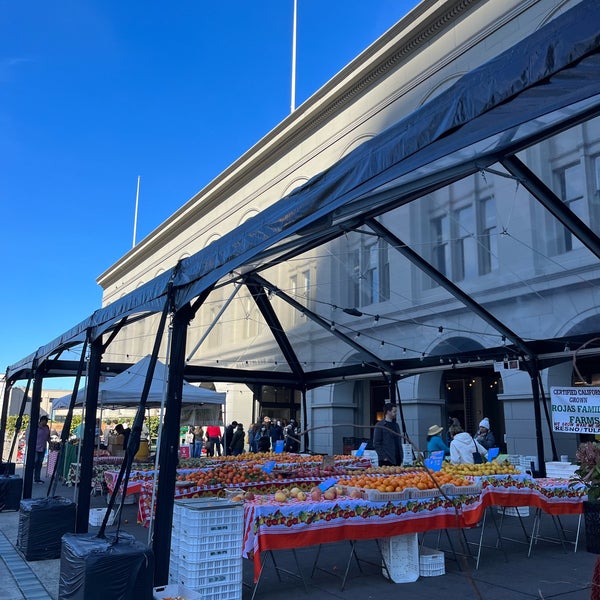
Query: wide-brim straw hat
(434, 430)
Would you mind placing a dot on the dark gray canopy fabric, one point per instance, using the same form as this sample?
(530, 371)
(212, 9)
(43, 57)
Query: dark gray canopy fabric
(491, 111)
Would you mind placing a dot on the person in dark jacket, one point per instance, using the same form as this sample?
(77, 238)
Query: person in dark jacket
(387, 439)
(292, 437)
(484, 435)
(275, 433)
(264, 441)
(228, 436)
(237, 441)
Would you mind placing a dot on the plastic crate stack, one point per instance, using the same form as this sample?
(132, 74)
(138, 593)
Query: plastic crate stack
(401, 557)
(206, 547)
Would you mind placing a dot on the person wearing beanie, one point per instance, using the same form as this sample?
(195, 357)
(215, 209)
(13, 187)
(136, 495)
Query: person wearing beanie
(484, 435)
(435, 441)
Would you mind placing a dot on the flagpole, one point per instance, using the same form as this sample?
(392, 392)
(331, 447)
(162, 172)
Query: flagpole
(137, 199)
(293, 102)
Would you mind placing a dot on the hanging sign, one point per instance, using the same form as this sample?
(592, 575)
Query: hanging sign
(575, 410)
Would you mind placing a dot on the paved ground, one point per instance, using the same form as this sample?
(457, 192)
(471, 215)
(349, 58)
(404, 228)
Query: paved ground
(550, 572)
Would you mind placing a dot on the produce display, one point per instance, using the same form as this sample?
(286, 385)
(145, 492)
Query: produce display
(421, 480)
(480, 470)
(225, 475)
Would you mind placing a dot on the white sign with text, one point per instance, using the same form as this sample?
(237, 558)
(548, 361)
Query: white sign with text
(575, 410)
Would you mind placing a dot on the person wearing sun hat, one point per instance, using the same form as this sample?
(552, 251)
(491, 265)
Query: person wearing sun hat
(435, 441)
(484, 435)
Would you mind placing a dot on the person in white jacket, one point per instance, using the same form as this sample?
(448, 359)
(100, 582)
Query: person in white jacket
(463, 446)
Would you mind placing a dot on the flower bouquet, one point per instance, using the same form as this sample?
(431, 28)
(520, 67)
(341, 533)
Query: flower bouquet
(588, 473)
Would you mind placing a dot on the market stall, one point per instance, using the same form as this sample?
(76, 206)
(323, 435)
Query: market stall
(271, 525)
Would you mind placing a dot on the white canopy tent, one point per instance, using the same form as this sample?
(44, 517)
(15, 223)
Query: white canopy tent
(125, 389)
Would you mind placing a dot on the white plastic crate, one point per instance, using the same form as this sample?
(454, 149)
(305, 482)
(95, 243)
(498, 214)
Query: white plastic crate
(227, 591)
(209, 516)
(201, 549)
(401, 555)
(97, 516)
(217, 572)
(560, 470)
(431, 562)
(175, 591)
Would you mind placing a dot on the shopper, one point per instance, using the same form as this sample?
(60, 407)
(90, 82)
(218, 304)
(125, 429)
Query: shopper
(484, 435)
(387, 439)
(275, 433)
(463, 448)
(213, 433)
(237, 441)
(41, 444)
(264, 441)
(434, 440)
(292, 437)
(198, 442)
(228, 436)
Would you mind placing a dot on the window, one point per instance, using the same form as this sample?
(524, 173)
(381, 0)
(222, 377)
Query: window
(465, 244)
(306, 291)
(370, 274)
(440, 234)
(293, 292)
(354, 295)
(463, 230)
(570, 182)
(299, 290)
(489, 236)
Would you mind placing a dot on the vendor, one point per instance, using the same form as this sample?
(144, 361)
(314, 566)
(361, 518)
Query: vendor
(434, 440)
(120, 430)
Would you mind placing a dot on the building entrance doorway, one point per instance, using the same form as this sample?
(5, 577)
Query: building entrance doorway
(473, 394)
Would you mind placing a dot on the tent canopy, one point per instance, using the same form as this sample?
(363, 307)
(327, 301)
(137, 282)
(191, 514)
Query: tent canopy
(125, 389)
(544, 84)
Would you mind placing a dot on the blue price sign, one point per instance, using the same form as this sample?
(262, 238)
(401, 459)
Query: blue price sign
(325, 485)
(361, 449)
(492, 453)
(279, 446)
(268, 466)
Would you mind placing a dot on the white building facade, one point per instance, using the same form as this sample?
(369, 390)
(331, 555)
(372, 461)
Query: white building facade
(484, 232)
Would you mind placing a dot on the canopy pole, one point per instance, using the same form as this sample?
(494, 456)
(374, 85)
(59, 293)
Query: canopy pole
(34, 417)
(19, 418)
(534, 374)
(169, 450)
(161, 416)
(548, 419)
(86, 463)
(304, 423)
(4, 414)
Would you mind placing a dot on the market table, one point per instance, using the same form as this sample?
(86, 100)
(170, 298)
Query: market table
(100, 466)
(270, 525)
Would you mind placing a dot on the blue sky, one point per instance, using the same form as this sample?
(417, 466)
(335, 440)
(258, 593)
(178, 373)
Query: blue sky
(94, 93)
